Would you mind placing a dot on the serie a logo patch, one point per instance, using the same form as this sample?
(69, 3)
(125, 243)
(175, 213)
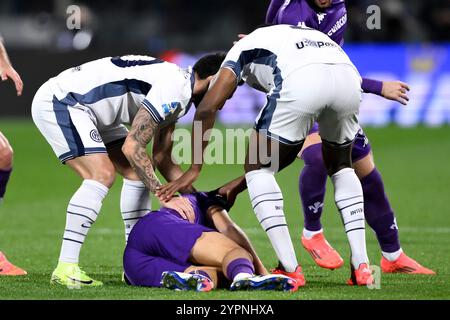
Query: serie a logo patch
(169, 108)
(95, 136)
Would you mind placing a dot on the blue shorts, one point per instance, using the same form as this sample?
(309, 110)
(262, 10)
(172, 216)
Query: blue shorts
(361, 145)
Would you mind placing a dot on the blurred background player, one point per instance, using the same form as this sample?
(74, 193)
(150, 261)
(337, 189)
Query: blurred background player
(291, 71)
(82, 112)
(165, 250)
(6, 154)
(330, 17)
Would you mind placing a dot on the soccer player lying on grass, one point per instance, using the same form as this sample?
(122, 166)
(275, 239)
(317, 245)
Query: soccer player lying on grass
(306, 77)
(82, 113)
(330, 17)
(6, 155)
(165, 250)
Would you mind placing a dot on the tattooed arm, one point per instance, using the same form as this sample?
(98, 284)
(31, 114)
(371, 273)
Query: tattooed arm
(134, 149)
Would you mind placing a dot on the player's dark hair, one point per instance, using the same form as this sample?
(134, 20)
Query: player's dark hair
(209, 65)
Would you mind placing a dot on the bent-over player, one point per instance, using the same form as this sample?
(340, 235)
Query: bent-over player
(82, 112)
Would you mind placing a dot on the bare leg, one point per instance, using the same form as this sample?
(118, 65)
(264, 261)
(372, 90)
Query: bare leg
(6, 158)
(216, 250)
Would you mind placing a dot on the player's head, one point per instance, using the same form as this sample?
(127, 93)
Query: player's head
(208, 65)
(322, 4)
(205, 69)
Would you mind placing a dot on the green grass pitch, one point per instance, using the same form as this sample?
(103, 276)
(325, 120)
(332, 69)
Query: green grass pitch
(414, 164)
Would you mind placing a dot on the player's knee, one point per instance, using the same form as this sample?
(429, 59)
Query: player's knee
(336, 156)
(6, 156)
(364, 166)
(106, 175)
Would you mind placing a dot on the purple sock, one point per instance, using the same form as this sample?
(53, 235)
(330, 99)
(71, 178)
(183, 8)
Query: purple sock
(378, 212)
(311, 185)
(237, 266)
(4, 177)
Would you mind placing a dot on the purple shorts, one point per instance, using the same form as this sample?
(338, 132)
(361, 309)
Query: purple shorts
(159, 242)
(361, 145)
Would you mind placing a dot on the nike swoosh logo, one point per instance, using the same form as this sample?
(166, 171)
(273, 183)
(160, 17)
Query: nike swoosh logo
(81, 281)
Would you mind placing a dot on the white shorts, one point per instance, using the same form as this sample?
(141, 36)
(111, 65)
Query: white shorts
(71, 131)
(327, 93)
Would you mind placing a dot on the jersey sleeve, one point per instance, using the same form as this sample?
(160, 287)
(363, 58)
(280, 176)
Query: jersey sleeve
(273, 9)
(233, 60)
(164, 99)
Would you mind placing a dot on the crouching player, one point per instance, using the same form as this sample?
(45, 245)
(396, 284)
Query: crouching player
(82, 113)
(164, 250)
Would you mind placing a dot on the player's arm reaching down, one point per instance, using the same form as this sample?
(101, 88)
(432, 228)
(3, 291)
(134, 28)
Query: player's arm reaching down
(134, 149)
(7, 71)
(162, 156)
(222, 88)
(232, 189)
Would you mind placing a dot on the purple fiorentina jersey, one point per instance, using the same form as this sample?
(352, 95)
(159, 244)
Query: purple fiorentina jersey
(332, 21)
(162, 241)
(200, 201)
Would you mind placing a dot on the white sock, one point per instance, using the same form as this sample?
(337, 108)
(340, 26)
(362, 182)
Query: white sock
(348, 195)
(267, 202)
(309, 234)
(392, 256)
(81, 214)
(134, 203)
(242, 275)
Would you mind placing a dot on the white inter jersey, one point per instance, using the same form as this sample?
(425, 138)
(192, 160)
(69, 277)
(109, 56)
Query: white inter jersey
(112, 89)
(270, 54)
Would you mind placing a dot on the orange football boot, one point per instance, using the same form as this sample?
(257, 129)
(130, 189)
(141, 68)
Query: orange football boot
(361, 277)
(322, 252)
(404, 264)
(8, 269)
(297, 275)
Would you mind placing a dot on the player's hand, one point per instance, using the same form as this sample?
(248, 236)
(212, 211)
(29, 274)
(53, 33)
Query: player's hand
(261, 269)
(395, 90)
(166, 191)
(229, 193)
(7, 71)
(182, 205)
(240, 36)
